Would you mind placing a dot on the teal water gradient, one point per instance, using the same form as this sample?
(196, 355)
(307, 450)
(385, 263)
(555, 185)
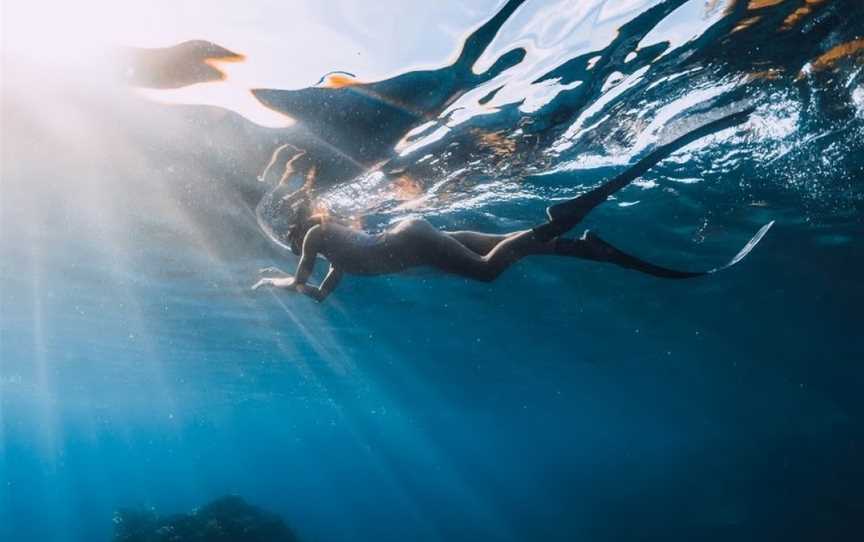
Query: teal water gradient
(565, 401)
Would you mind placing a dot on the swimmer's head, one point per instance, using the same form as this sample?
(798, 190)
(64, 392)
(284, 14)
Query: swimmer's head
(303, 216)
(301, 210)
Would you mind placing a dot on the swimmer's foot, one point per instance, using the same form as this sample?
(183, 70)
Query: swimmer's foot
(559, 221)
(591, 247)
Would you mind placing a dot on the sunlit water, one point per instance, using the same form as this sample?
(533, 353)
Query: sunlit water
(565, 401)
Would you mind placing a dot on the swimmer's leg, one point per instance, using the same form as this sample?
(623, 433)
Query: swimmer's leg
(565, 215)
(591, 247)
(512, 249)
(480, 243)
(438, 249)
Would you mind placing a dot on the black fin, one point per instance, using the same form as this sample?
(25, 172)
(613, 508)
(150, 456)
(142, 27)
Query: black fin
(592, 247)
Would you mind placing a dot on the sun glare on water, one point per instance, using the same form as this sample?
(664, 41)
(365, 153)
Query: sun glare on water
(82, 39)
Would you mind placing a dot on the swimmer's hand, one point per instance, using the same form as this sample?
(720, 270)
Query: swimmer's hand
(284, 283)
(290, 283)
(273, 271)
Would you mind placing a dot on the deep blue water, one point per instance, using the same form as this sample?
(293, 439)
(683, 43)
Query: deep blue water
(568, 400)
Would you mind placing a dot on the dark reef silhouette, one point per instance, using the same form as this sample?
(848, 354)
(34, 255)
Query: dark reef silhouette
(227, 519)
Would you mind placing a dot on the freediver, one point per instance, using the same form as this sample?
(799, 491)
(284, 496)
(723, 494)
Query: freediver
(479, 256)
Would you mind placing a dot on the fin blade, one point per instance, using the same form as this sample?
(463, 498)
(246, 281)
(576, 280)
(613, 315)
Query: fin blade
(751, 244)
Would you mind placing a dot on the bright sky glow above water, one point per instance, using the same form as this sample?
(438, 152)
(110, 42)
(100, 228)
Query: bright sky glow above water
(291, 44)
(287, 44)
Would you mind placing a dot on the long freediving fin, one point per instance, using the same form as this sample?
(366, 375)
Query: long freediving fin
(751, 244)
(592, 247)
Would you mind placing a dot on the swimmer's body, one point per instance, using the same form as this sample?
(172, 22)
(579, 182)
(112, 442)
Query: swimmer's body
(474, 255)
(417, 243)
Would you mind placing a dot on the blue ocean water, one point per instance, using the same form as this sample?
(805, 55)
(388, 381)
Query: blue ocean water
(567, 400)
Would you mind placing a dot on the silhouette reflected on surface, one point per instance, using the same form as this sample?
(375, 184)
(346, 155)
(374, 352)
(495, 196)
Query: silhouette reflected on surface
(185, 64)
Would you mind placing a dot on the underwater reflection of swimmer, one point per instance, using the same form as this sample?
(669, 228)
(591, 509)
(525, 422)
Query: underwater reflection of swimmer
(187, 63)
(475, 255)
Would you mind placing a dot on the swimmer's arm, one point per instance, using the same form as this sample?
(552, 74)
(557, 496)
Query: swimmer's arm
(305, 266)
(298, 283)
(311, 247)
(311, 244)
(326, 287)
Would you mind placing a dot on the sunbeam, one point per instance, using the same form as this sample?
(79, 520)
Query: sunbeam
(156, 158)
